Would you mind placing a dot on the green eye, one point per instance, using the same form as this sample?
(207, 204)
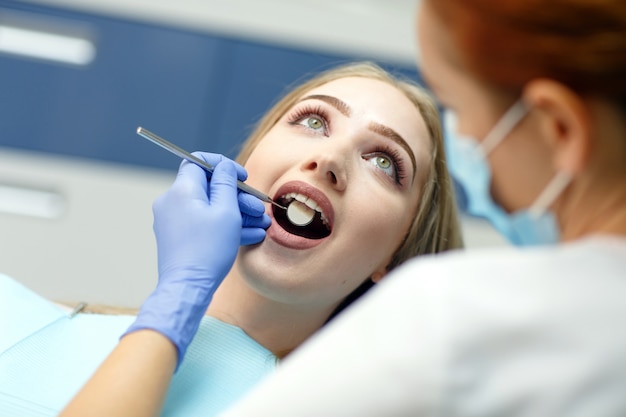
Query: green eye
(314, 123)
(383, 162)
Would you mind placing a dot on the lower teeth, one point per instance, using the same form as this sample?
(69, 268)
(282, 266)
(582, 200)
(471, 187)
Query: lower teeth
(299, 213)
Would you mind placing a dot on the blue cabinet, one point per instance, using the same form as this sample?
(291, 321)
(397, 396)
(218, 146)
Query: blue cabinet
(142, 75)
(198, 90)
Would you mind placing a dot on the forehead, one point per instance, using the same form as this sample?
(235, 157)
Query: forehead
(377, 101)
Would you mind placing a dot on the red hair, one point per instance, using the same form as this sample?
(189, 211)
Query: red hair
(581, 43)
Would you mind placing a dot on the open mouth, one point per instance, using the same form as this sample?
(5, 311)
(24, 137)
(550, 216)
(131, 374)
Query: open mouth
(316, 228)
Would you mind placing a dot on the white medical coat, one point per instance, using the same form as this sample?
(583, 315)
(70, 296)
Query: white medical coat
(498, 332)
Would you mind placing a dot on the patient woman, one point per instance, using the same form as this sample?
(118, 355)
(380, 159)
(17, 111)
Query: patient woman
(356, 155)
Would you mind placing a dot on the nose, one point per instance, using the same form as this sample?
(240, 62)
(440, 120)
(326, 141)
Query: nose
(331, 168)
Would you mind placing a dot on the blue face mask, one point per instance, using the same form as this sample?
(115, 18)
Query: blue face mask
(467, 162)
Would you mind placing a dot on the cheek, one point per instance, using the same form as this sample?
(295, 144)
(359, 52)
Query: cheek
(264, 151)
(266, 162)
(258, 177)
(254, 166)
(382, 225)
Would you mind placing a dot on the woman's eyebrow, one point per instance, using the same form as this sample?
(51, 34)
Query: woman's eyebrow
(333, 101)
(373, 126)
(394, 136)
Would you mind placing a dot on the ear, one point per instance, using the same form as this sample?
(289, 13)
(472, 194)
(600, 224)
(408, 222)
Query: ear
(378, 275)
(565, 122)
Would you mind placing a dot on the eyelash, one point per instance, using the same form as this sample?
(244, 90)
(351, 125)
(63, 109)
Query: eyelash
(317, 111)
(396, 160)
(309, 111)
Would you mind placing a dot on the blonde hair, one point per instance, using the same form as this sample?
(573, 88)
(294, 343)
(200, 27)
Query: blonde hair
(435, 226)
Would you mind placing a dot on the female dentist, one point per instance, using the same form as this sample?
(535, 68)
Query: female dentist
(535, 92)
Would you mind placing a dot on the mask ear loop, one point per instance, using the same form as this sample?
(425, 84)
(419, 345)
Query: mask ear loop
(552, 191)
(505, 125)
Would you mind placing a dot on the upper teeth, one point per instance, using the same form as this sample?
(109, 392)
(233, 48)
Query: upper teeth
(309, 202)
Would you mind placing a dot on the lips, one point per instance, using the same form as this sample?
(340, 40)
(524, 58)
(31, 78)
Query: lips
(301, 237)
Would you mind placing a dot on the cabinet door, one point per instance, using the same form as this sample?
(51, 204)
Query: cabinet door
(157, 77)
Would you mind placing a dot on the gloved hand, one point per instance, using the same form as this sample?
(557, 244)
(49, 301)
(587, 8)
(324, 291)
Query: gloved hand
(199, 225)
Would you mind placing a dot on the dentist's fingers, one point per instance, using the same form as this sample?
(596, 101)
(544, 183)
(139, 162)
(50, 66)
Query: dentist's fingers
(193, 180)
(223, 192)
(262, 222)
(251, 236)
(250, 205)
(253, 230)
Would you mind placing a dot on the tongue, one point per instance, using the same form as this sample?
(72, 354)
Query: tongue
(299, 213)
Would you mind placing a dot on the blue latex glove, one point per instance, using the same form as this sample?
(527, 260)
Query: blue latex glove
(199, 226)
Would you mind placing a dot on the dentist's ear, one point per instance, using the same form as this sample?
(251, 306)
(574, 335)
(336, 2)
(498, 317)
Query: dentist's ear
(566, 123)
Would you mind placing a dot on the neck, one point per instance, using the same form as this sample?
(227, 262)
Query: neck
(599, 208)
(277, 326)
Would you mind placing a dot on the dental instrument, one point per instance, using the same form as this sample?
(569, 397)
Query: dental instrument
(208, 168)
(300, 214)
